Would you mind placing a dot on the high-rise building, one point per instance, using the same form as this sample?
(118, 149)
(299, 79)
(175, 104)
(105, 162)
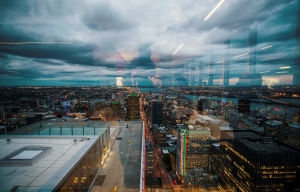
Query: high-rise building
(182, 142)
(133, 107)
(157, 112)
(149, 160)
(246, 161)
(193, 149)
(201, 105)
(244, 106)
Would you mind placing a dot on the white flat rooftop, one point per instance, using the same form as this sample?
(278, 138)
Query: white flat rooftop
(32, 177)
(207, 118)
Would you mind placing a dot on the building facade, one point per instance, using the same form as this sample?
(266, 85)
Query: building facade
(247, 161)
(133, 107)
(272, 127)
(149, 161)
(294, 135)
(201, 105)
(244, 106)
(157, 112)
(193, 150)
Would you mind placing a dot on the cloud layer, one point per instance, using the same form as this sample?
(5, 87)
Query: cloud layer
(97, 41)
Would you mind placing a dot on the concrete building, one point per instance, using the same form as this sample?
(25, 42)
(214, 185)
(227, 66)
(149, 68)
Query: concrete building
(160, 136)
(194, 177)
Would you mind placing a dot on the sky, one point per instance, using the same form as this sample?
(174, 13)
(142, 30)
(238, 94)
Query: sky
(75, 42)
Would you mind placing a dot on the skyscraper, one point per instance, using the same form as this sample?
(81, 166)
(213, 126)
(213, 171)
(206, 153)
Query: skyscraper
(157, 112)
(149, 160)
(202, 104)
(193, 149)
(133, 107)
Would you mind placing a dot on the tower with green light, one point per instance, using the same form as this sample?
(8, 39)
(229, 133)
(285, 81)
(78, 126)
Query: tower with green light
(182, 149)
(193, 149)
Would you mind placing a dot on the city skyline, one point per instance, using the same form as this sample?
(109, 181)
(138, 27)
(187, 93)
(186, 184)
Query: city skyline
(163, 139)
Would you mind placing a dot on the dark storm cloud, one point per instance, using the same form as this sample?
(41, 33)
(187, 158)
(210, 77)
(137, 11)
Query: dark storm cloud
(231, 18)
(74, 53)
(100, 31)
(50, 22)
(280, 27)
(101, 17)
(94, 15)
(25, 74)
(278, 30)
(240, 14)
(9, 9)
(16, 33)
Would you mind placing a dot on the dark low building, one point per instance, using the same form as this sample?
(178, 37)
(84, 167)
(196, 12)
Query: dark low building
(34, 119)
(244, 106)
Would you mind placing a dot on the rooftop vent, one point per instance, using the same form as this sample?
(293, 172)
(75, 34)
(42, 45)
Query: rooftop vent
(267, 140)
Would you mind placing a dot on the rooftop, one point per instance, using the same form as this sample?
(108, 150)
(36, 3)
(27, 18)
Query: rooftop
(258, 142)
(294, 125)
(274, 122)
(31, 177)
(199, 132)
(207, 118)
